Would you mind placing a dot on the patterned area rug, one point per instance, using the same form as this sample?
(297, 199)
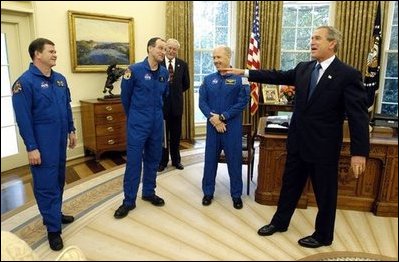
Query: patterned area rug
(103, 187)
(347, 256)
(190, 231)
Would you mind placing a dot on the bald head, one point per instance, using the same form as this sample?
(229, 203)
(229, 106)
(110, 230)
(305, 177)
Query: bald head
(225, 49)
(221, 57)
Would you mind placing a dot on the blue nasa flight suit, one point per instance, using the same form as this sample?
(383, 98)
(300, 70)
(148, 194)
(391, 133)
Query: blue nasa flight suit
(226, 95)
(142, 93)
(44, 116)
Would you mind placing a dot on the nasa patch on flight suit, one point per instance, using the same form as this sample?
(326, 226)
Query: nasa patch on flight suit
(16, 88)
(230, 82)
(44, 85)
(127, 74)
(60, 83)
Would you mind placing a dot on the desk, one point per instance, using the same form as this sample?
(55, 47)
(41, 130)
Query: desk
(271, 109)
(376, 190)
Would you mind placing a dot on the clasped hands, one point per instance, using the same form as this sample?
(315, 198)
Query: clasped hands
(219, 125)
(358, 165)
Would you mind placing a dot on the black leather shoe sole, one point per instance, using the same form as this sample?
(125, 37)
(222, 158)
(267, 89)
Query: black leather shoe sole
(269, 230)
(67, 219)
(155, 200)
(207, 200)
(122, 211)
(312, 242)
(55, 241)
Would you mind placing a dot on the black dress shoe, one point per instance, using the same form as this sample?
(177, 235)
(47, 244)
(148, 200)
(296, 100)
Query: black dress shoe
(161, 168)
(67, 219)
(207, 200)
(154, 199)
(237, 202)
(179, 166)
(269, 230)
(312, 242)
(55, 241)
(122, 211)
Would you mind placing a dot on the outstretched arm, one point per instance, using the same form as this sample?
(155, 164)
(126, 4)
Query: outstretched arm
(234, 71)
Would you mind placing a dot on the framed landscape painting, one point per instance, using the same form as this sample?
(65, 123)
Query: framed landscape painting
(97, 41)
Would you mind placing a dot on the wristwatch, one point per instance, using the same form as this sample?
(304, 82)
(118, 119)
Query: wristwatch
(222, 118)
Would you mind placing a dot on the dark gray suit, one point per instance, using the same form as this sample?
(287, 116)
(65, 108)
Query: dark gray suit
(173, 110)
(315, 137)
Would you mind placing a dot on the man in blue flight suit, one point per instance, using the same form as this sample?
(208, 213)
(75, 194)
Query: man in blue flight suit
(143, 87)
(222, 98)
(41, 100)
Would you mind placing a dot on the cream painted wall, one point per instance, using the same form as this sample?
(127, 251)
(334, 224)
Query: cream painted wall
(51, 21)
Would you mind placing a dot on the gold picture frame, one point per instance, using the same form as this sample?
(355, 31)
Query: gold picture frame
(97, 41)
(270, 94)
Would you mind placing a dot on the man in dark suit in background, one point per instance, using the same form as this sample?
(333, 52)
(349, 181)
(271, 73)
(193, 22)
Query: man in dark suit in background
(179, 82)
(326, 91)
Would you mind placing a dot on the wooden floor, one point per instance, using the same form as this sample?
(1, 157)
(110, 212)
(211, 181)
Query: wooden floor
(16, 184)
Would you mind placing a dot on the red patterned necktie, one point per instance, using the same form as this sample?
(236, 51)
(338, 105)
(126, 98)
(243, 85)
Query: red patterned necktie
(170, 69)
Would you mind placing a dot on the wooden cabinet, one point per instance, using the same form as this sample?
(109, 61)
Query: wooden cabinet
(376, 190)
(104, 126)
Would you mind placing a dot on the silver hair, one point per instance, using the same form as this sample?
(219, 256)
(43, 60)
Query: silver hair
(173, 41)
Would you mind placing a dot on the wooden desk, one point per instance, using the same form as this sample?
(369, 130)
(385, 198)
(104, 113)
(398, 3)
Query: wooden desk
(376, 190)
(270, 109)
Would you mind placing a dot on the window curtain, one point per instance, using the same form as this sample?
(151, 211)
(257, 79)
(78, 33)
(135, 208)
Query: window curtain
(270, 44)
(179, 25)
(355, 19)
(356, 22)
